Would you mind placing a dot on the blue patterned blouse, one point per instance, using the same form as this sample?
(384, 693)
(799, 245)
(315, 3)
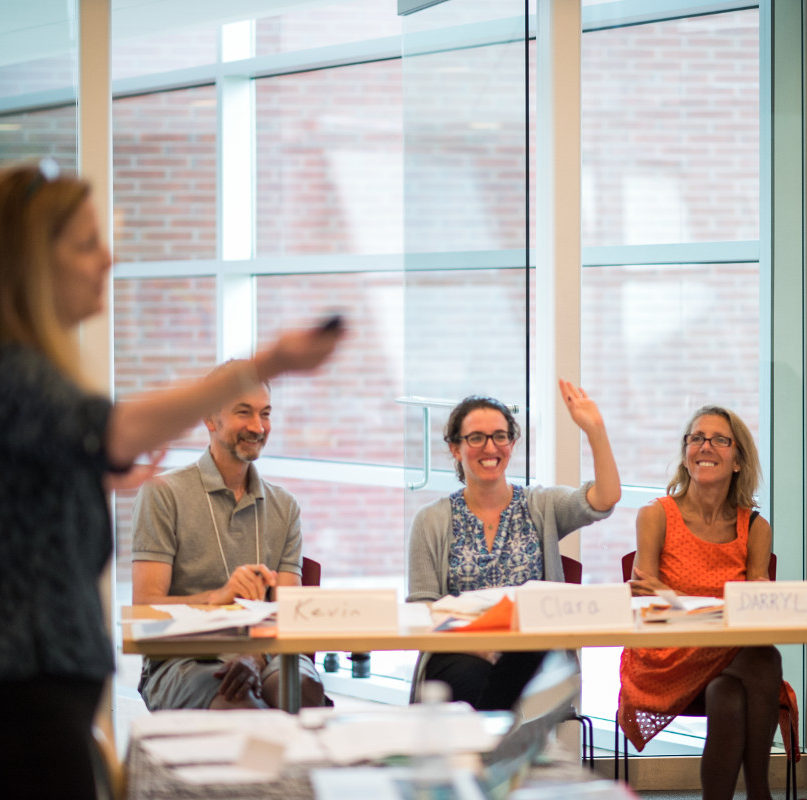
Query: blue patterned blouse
(517, 556)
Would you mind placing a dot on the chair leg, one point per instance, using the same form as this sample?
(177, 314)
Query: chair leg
(587, 728)
(625, 756)
(790, 783)
(616, 750)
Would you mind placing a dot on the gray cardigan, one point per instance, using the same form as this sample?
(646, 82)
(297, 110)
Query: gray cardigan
(556, 512)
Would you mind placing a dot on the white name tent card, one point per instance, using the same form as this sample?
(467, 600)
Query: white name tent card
(560, 606)
(761, 604)
(310, 609)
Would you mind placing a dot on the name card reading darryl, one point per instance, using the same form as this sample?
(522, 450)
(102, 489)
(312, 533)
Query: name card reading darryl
(309, 609)
(559, 606)
(760, 604)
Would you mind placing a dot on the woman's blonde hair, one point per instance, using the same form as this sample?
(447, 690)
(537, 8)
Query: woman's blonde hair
(33, 212)
(745, 482)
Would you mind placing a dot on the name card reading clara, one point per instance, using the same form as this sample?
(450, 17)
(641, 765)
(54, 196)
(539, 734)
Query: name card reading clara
(309, 609)
(761, 604)
(559, 606)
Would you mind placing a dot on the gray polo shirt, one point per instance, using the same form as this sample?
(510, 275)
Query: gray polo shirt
(173, 525)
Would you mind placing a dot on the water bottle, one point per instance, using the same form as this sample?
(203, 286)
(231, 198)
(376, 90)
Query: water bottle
(432, 778)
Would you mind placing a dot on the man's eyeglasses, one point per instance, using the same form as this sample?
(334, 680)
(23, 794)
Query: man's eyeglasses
(47, 171)
(479, 439)
(698, 439)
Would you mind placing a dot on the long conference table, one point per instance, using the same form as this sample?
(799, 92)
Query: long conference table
(289, 647)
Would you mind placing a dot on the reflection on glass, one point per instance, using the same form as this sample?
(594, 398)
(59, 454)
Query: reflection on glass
(464, 143)
(324, 24)
(164, 175)
(659, 342)
(670, 131)
(38, 53)
(158, 42)
(329, 161)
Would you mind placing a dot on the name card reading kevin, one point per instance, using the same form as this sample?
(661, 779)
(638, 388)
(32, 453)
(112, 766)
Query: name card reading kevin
(554, 606)
(759, 604)
(309, 609)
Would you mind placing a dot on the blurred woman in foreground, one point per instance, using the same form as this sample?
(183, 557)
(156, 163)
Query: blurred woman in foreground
(60, 447)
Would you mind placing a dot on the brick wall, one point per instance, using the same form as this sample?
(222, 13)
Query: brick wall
(35, 134)
(164, 182)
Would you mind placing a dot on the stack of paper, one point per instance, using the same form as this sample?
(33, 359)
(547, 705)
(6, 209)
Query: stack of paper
(671, 607)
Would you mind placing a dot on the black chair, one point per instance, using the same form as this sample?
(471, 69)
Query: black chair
(695, 709)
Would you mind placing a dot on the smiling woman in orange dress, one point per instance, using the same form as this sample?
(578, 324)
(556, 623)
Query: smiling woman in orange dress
(703, 533)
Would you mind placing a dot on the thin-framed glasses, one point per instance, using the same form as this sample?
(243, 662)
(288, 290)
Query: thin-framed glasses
(698, 439)
(47, 170)
(479, 439)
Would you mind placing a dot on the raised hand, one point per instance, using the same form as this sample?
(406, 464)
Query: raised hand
(606, 490)
(298, 351)
(582, 409)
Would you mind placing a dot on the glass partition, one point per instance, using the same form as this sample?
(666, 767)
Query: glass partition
(38, 83)
(465, 91)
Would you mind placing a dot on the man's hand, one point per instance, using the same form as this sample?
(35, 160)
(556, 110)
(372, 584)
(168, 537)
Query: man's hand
(249, 581)
(239, 677)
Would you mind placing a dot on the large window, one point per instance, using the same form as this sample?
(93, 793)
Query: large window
(272, 169)
(671, 281)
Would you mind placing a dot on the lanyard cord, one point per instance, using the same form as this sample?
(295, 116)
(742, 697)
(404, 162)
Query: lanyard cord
(216, 528)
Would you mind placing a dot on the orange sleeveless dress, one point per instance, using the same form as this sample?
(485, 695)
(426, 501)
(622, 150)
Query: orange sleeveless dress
(659, 683)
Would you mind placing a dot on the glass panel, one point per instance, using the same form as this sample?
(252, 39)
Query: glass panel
(657, 343)
(329, 161)
(157, 41)
(321, 25)
(164, 331)
(347, 411)
(670, 131)
(465, 179)
(164, 175)
(38, 43)
(39, 55)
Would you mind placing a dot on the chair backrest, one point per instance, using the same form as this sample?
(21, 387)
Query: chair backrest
(312, 572)
(572, 570)
(627, 566)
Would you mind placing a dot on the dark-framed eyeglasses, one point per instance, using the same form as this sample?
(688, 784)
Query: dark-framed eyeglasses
(479, 439)
(697, 439)
(47, 170)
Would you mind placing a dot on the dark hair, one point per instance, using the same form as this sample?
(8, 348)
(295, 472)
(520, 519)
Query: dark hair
(451, 432)
(743, 483)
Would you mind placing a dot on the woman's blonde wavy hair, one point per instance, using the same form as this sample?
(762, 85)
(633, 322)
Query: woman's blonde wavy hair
(744, 483)
(33, 213)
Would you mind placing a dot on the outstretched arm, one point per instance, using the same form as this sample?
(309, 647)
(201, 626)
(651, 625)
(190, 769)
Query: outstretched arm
(144, 423)
(606, 491)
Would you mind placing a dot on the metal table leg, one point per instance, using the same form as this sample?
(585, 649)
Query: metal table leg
(290, 682)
